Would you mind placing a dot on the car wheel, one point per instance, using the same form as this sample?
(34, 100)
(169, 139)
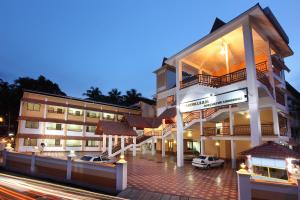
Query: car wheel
(208, 166)
(222, 165)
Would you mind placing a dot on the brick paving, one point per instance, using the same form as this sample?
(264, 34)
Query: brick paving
(149, 173)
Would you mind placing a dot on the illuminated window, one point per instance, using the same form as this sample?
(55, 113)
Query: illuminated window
(91, 143)
(33, 107)
(120, 117)
(52, 142)
(108, 116)
(92, 114)
(74, 127)
(32, 124)
(270, 172)
(91, 129)
(75, 112)
(56, 109)
(30, 142)
(54, 126)
(73, 143)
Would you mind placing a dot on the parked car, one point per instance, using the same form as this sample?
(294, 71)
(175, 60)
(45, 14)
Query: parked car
(207, 161)
(95, 158)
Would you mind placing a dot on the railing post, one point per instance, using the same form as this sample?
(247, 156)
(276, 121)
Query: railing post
(69, 168)
(32, 166)
(121, 175)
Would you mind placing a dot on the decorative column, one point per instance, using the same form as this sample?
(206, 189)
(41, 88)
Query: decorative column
(134, 146)
(202, 146)
(152, 146)
(109, 145)
(116, 140)
(252, 85)
(233, 154)
(275, 120)
(163, 147)
(179, 120)
(231, 121)
(122, 144)
(104, 143)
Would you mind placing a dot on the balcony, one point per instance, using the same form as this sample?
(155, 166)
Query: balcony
(238, 130)
(280, 98)
(227, 79)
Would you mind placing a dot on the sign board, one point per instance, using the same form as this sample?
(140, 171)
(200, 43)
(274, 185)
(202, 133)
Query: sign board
(232, 97)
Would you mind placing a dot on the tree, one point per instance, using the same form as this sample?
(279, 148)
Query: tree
(115, 96)
(132, 97)
(94, 94)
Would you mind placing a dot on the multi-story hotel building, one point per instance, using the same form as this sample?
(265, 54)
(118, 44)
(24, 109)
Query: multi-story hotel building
(60, 123)
(228, 88)
(221, 95)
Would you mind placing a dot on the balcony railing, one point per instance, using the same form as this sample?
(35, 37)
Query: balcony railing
(280, 98)
(233, 77)
(238, 130)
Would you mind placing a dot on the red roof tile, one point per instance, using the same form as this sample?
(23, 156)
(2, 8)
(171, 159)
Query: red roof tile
(271, 150)
(114, 128)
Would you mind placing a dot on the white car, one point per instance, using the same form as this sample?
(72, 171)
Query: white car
(206, 161)
(91, 158)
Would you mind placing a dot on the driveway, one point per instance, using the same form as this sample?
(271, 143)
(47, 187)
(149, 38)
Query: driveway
(151, 173)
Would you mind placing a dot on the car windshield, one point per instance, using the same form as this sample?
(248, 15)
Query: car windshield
(202, 157)
(86, 158)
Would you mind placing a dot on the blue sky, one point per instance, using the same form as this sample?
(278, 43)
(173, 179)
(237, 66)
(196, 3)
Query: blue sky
(116, 44)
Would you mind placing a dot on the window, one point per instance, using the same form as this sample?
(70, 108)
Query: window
(55, 109)
(73, 143)
(91, 129)
(30, 142)
(52, 142)
(120, 117)
(75, 112)
(270, 172)
(189, 145)
(54, 126)
(74, 127)
(92, 114)
(32, 124)
(108, 116)
(91, 143)
(33, 107)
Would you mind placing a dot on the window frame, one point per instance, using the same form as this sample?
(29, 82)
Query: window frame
(33, 107)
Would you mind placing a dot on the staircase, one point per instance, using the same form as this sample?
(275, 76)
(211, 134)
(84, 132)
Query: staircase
(127, 145)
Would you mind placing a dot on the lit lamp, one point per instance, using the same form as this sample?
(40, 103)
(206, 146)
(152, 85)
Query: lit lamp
(174, 141)
(217, 143)
(72, 154)
(166, 141)
(1, 119)
(8, 147)
(243, 166)
(189, 134)
(122, 159)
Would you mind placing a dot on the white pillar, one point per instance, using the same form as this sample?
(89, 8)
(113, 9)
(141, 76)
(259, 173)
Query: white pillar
(202, 146)
(116, 140)
(275, 120)
(152, 146)
(103, 143)
(122, 144)
(109, 145)
(134, 146)
(121, 176)
(231, 121)
(244, 186)
(233, 154)
(252, 85)
(201, 124)
(163, 147)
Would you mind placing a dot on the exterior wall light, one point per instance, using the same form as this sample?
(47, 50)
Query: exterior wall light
(189, 134)
(122, 159)
(1, 119)
(174, 141)
(217, 143)
(248, 116)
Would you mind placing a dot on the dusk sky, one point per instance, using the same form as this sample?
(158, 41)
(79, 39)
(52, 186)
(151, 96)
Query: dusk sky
(116, 44)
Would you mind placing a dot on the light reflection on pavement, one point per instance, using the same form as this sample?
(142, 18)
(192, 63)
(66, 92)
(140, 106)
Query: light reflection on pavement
(13, 187)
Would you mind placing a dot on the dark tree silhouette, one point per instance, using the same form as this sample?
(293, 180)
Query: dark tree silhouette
(132, 97)
(94, 94)
(115, 96)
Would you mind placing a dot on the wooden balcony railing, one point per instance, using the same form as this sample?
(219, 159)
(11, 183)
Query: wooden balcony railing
(238, 130)
(280, 98)
(233, 77)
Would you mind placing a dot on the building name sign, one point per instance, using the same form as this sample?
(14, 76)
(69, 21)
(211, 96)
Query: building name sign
(228, 98)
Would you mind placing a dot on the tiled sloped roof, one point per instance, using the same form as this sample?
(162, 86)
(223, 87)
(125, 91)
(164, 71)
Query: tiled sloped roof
(271, 150)
(114, 128)
(147, 122)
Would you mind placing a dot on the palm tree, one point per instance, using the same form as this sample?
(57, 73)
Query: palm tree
(132, 96)
(115, 95)
(93, 94)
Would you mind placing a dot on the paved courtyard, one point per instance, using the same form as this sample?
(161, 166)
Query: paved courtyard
(151, 173)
